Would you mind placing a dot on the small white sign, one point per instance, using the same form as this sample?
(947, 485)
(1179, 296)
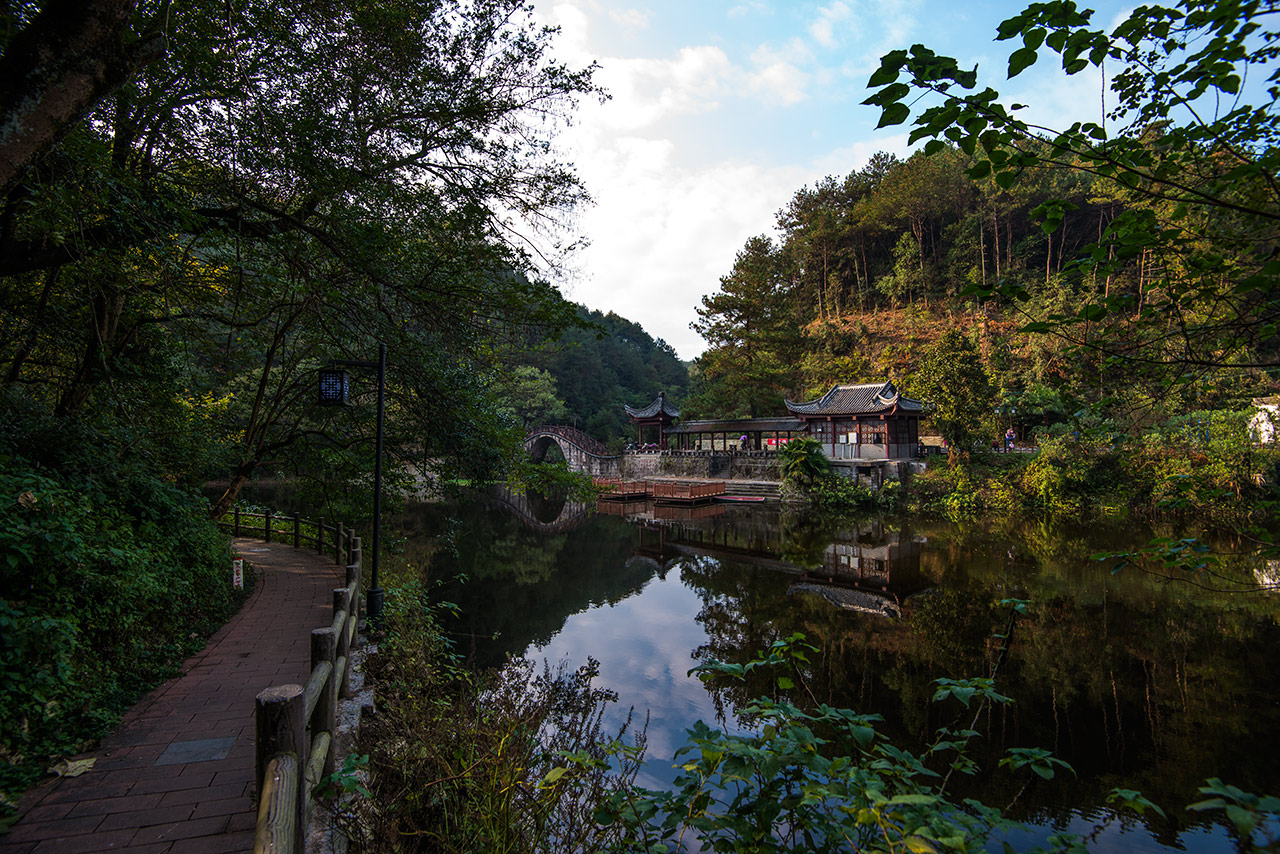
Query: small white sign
(237, 573)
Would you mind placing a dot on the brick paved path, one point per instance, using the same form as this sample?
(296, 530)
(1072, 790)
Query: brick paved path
(177, 775)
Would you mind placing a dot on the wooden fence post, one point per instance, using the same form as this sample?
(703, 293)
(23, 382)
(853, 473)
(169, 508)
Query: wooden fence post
(297, 529)
(355, 573)
(337, 545)
(282, 728)
(324, 646)
(266, 533)
(342, 602)
(320, 536)
(235, 525)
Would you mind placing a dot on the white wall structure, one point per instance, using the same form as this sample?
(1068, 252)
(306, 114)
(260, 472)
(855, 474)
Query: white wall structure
(1266, 421)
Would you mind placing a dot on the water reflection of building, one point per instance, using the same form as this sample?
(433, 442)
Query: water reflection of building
(869, 567)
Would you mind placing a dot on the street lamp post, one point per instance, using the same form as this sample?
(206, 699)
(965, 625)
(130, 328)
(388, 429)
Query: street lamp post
(333, 392)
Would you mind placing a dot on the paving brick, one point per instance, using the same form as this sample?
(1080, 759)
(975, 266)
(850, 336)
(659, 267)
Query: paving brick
(106, 806)
(128, 803)
(222, 844)
(116, 840)
(227, 807)
(24, 831)
(180, 830)
(46, 812)
(71, 793)
(146, 818)
(188, 796)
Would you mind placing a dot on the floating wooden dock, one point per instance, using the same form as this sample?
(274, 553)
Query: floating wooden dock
(621, 490)
(685, 492)
(661, 491)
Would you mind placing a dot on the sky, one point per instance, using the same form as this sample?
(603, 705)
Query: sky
(721, 110)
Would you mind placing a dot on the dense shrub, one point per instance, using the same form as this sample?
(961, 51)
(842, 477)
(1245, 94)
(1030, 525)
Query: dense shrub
(110, 575)
(513, 759)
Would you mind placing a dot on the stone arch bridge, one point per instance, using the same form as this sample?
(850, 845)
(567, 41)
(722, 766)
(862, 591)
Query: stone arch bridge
(581, 452)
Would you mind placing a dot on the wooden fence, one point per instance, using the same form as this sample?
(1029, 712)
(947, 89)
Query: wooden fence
(295, 725)
(681, 491)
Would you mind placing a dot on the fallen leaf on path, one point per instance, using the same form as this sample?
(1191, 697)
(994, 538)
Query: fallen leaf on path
(72, 767)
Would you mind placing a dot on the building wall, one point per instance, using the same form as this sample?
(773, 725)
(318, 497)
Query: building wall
(710, 466)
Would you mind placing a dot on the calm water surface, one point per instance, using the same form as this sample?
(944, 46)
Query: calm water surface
(1136, 681)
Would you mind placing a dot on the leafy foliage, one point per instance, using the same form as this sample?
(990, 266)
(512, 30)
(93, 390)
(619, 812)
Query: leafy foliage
(111, 575)
(604, 363)
(512, 759)
(802, 461)
(1190, 159)
(954, 383)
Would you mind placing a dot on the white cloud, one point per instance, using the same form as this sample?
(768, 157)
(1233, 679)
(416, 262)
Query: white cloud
(823, 29)
(780, 83)
(663, 230)
(754, 7)
(663, 235)
(631, 19)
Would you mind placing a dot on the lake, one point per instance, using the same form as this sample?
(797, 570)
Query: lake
(1136, 679)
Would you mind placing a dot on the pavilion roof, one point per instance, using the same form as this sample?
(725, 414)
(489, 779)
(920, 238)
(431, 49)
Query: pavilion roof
(740, 426)
(660, 405)
(863, 399)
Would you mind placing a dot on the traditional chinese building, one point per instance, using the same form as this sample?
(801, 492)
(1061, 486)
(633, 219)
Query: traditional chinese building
(870, 421)
(658, 415)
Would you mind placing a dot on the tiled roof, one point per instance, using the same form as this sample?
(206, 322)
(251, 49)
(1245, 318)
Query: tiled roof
(740, 425)
(659, 404)
(864, 399)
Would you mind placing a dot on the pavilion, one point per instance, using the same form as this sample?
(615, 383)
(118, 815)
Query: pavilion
(660, 414)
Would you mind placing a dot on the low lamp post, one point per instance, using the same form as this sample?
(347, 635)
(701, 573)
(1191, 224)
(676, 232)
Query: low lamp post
(334, 388)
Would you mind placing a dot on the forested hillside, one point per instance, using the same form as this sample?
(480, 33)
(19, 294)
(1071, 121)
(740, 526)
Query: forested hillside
(604, 364)
(871, 269)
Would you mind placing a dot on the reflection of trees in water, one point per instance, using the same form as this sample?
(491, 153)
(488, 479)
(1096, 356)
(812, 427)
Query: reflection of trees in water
(523, 584)
(1136, 684)
(1137, 687)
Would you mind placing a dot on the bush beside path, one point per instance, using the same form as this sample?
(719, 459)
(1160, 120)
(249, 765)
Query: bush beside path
(177, 774)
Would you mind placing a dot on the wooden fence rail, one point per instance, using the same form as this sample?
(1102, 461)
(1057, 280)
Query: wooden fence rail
(295, 724)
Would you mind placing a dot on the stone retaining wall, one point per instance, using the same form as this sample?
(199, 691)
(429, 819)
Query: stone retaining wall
(710, 467)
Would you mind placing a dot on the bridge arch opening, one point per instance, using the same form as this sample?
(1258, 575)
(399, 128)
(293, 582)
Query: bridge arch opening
(545, 449)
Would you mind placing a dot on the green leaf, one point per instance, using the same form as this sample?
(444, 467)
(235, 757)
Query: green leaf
(883, 75)
(1021, 59)
(893, 114)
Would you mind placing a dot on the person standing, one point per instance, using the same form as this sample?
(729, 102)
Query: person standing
(1009, 438)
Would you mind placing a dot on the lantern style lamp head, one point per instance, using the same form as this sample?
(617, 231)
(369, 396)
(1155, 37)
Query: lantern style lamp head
(333, 387)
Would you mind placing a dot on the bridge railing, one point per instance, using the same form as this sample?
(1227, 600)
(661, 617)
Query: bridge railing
(295, 725)
(575, 437)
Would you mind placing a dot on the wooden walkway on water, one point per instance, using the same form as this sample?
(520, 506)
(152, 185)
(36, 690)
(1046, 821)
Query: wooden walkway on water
(662, 491)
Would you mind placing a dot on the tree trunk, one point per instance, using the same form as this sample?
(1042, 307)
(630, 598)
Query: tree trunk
(70, 57)
(100, 340)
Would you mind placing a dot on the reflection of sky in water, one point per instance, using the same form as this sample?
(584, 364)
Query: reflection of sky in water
(1118, 837)
(644, 645)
